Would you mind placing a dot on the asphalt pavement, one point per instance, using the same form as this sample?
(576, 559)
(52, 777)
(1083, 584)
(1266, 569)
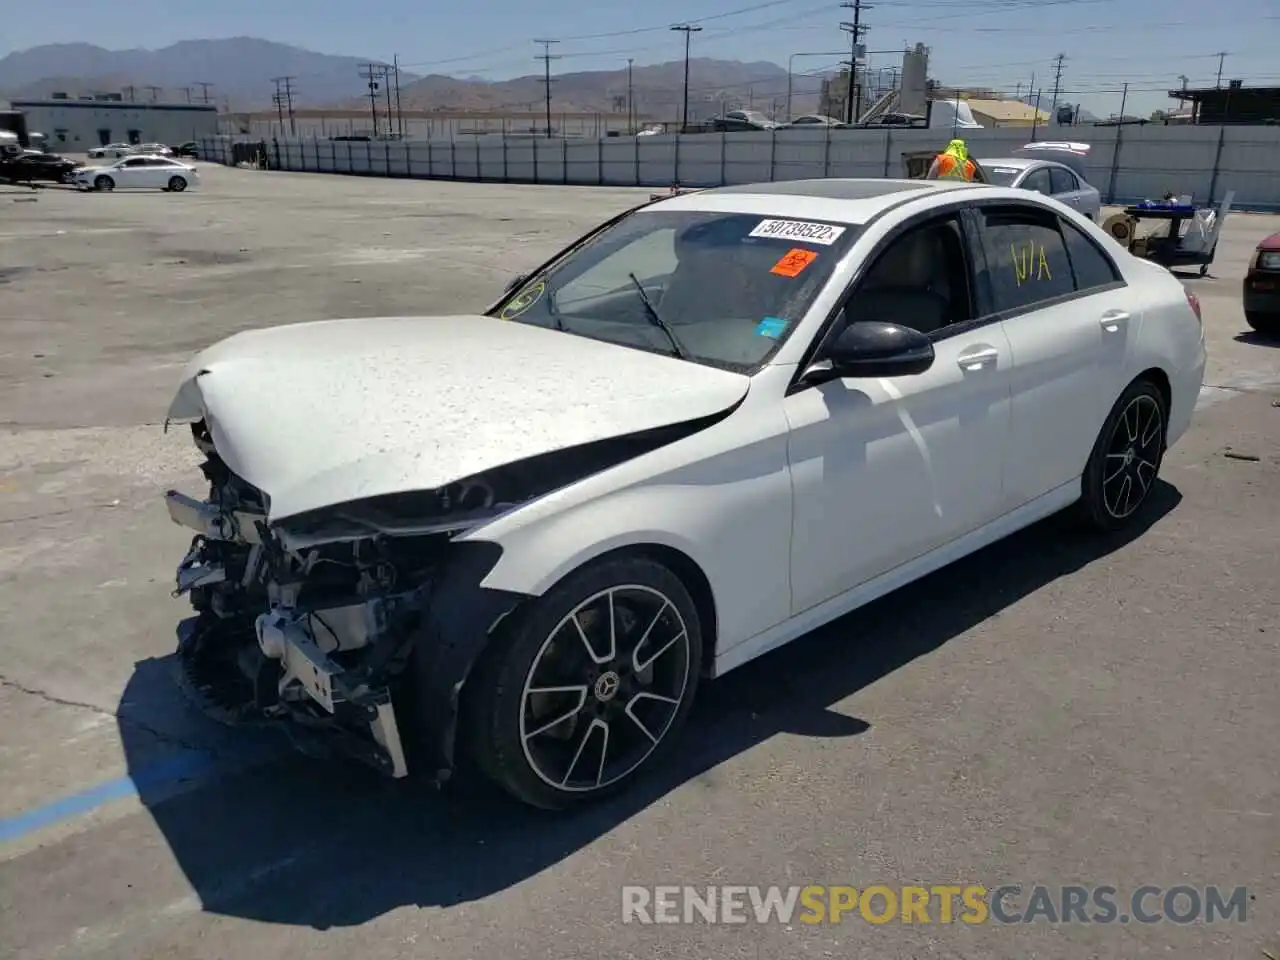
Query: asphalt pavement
(1055, 710)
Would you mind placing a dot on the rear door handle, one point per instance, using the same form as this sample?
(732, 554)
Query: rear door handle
(978, 359)
(1112, 319)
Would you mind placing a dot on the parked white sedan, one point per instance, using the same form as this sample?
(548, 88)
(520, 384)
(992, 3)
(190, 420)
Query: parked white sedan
(139, 173)
(716, 423)
(111, 151)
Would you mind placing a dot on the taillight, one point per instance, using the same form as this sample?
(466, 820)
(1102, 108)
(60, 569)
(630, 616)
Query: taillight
(1194, 303)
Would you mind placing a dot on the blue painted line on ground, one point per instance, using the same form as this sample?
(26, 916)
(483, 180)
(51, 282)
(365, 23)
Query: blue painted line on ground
(191, 766)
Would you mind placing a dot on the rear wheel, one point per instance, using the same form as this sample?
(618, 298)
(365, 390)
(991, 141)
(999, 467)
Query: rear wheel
(103, 182)
(1126, 458)
(177, 184)
(588, 686)
(1267, 324)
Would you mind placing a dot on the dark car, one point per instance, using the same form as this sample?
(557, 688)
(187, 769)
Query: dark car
(742, 121)
(1262, 288)
(188, 149)
(33, 167)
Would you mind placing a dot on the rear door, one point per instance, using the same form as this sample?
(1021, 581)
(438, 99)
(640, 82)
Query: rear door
(1066, 188)
(1069, 318)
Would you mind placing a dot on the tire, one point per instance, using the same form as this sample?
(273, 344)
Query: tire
(177, 184)
(103, 182)
(1126, 458)
(613, 719)
(1267, 324)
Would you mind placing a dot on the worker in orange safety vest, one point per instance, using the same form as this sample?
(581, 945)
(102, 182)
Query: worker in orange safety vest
(954, 164)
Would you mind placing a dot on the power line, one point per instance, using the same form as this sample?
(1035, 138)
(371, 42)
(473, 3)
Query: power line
(546, 57)
(688, 29)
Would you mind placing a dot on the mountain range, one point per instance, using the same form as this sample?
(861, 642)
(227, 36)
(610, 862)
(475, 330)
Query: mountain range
(238, 73)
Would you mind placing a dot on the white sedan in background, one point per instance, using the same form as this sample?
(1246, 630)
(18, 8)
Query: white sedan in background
(139, 173)
(111, 151)
(715, 423)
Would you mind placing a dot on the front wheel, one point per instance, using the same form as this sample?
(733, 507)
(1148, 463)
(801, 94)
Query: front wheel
(1267, 324)
(103, 183)
(1126, 458)
(177, 184)
(588, 686)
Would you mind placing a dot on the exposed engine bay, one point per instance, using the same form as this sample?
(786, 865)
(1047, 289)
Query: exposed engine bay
(315, 620)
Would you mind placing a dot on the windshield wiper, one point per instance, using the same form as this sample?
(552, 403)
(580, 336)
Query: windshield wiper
(658, 322)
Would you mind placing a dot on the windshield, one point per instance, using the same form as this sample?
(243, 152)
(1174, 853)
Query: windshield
(722, 289)
(1001, 176)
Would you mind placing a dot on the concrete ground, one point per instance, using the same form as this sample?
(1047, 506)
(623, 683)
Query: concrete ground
(1054, 710)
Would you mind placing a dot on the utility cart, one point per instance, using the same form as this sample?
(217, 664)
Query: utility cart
(1170, 246)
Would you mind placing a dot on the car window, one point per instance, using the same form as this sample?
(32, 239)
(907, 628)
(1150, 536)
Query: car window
(1001, 176)
(920, 280)
(1063, 180)
(1026, 258)
(730, 286)
(1092, 268)
(1038, 180)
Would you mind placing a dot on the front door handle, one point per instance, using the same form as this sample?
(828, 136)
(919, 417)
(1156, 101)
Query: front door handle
(1112, 319)
(978, 359)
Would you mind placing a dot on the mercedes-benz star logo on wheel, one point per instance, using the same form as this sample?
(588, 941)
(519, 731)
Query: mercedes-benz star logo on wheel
(607, 686)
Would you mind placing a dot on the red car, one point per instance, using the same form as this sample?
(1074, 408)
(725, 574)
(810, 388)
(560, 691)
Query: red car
(1262, 288)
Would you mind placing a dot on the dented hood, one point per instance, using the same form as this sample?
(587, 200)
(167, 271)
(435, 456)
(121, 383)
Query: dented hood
(318, 414)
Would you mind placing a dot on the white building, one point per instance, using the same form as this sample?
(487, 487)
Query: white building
(74, 126)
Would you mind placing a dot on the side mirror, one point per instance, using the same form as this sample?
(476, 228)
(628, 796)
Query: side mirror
(873, 348)
(516, 281)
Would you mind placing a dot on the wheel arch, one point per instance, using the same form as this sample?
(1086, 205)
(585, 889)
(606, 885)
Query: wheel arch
(1161, 381)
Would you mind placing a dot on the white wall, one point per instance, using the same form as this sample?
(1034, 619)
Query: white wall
(81, 122)
(1126, 163)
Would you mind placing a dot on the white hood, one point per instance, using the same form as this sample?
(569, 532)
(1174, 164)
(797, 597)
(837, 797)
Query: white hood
(317, 414)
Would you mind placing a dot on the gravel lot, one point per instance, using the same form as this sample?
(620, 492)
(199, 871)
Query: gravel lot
(1053, 710)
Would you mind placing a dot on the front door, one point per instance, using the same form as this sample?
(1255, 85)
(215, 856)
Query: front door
(886, 469)
(1069, 318)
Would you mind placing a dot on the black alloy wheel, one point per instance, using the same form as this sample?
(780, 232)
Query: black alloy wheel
(1126, 458)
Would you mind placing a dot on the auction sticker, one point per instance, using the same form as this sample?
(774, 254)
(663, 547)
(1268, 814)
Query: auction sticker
(823, 233)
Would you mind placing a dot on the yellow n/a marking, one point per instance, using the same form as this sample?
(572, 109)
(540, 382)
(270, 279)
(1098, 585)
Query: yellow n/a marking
(1029, 257)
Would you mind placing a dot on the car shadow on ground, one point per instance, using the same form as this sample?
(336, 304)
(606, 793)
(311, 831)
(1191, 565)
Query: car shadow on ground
(321, 845)
(1255, 339)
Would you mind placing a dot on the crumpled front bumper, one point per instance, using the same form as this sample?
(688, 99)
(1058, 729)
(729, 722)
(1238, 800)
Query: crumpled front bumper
(289, 676)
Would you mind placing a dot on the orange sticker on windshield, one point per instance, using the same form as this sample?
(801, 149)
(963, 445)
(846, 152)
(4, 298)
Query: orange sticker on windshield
(793, 261)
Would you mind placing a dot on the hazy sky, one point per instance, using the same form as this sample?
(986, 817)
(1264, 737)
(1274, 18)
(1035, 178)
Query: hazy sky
(999, 43)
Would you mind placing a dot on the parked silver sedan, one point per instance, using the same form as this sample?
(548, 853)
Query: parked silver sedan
(1050, 177)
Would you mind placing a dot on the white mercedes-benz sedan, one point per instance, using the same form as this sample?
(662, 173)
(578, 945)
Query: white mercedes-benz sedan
(521, 539)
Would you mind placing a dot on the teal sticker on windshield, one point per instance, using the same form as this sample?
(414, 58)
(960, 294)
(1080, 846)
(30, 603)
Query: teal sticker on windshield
(772, 327)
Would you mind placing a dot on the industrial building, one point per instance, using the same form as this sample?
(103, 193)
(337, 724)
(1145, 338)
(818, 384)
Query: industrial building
(76, 125)
(1234, 103)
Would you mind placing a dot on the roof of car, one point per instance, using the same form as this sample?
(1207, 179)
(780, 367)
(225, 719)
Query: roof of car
(832, 199)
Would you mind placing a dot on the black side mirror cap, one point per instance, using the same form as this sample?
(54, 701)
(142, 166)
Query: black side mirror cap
(873, 348)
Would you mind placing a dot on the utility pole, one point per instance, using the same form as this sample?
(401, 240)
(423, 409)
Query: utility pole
(1221, 57)
(1057, 81)
(155, 92)
(1124, 98)
(284, 99)
(386, 88)
(688, 29)
(855, 30)
(630, 102)
(204, 88)
(129, 91)
(395, 69)
(546, 57)
(187, 91)
(370, 74)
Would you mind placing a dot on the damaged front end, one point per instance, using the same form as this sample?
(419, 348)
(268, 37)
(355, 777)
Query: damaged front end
(313, 622)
